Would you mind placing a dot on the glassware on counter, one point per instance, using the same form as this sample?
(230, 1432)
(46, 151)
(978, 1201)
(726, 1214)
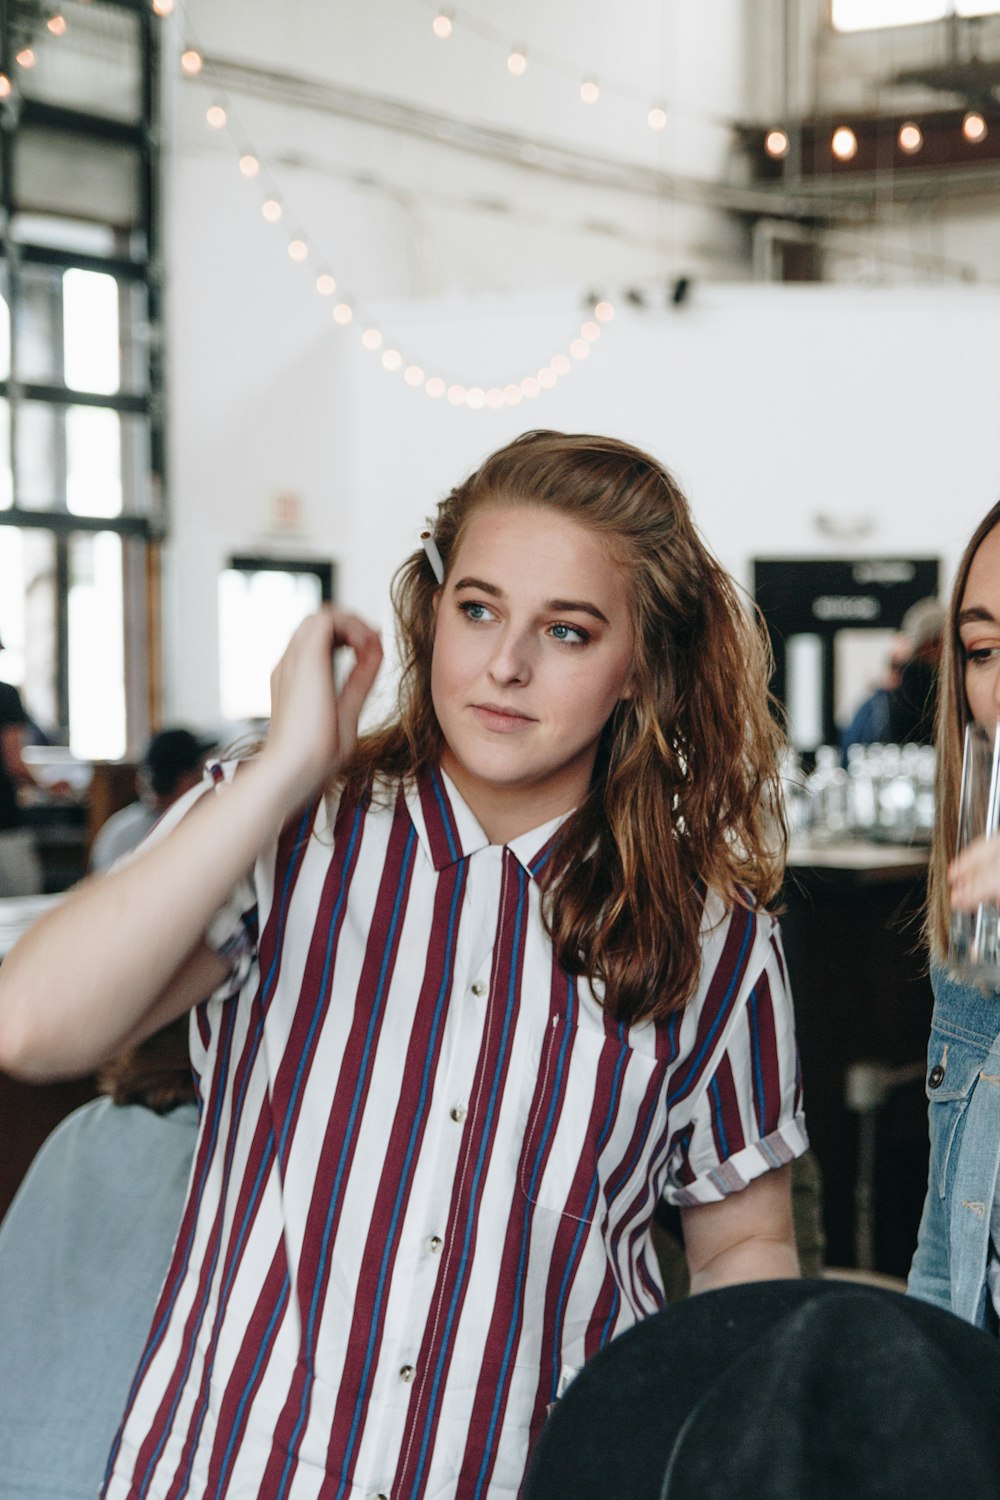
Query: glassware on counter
(974, 937)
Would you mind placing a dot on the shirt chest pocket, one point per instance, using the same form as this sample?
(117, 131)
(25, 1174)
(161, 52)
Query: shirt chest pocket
(596, 1121)
(953, 1071)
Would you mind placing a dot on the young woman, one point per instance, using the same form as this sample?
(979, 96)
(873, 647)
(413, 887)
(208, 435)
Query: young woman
(957, 1262)
(502, 974)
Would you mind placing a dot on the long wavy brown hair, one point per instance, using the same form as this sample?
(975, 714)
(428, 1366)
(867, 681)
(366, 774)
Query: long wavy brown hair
(952, 717)
(685, 792)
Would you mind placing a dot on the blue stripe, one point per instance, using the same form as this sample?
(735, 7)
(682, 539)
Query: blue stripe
(734, 978)
(519, 1280)
(441, 1007)
(237, 1116)
(310, 1339)
(757, 1066)
(442, 803)
(522, 881)
(717, 1116)
(612, 1315)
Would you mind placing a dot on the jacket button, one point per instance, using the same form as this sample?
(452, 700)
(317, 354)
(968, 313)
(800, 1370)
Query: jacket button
(935, 1077)
(407, 1373)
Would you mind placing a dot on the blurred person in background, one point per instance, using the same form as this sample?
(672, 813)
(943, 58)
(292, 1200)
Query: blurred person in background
(912, 702)
(84, 1248)
(20, 867)
(171, 766)
(870, 725)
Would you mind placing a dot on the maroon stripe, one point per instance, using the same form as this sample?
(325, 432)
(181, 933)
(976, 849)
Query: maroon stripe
(731, 1138)
(269, 947)
(319, 1239)
(244, 1384)
(722, 994)
(422, 1058)
(229, 1265)
(439, 820)
(508, 1308)
(492, 1067)
(768, 1108)
(286, 1097)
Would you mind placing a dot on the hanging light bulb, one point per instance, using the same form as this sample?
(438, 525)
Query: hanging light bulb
(272, 210)
(547, 377)
(414, 376)
(776, 144)
(392, 360)
(475, 398)
(589, 91)
(560, 364)
(343, 313)
(192, 62)
(590, 332)
(456, 395)
(910, 138)
(844, 143)
(494, 398)
(530, 387)
(372, 339)
(57, 25)
(26, 57)
(5, 86)
(298, 250)
(325, 284)
(579, 348)
(517, 61)
(435, 387)
(603, 312)
(249, 165)
(512, 394)
(216, 116)
(974, 127)
(163, 7)
(443, 25)
(657, 117)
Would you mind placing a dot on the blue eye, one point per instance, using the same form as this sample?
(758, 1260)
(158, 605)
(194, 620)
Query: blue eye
(473, 610)
(570, 635)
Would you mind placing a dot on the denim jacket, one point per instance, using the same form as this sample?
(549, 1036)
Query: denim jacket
(963, 1092)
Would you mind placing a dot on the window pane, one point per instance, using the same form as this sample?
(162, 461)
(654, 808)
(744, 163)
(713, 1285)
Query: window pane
(39, 325)
(96, 648)
(40, 455)
(90, 331)
(257, 614)
(93, 462)
(865, 15)
(4, 326)
(94, 65)
(62, 173)
(6, 478)
(28, 620)
(64, 234)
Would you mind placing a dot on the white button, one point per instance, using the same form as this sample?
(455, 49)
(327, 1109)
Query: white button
(407, 1373)
(434, 1243)
(479, 989)
(459, 1113)
(380, 1496)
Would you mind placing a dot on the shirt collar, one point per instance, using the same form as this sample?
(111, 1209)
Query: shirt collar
(448, 830)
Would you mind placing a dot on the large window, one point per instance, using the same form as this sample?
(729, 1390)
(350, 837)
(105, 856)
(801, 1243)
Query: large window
(80, 367)
(869, 15)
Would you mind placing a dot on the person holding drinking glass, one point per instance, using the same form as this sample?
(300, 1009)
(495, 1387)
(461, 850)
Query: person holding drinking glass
(957, 1261)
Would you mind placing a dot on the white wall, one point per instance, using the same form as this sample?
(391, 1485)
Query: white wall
(772, 405)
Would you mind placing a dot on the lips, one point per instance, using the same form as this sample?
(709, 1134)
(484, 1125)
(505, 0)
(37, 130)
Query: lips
(497, 716)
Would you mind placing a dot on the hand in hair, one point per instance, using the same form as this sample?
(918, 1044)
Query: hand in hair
(314, 728)
(975, 875)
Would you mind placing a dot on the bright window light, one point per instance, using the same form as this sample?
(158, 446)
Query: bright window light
(93, 461)
(258, 613)
(97, 648)
(868, 15)
(91, 340)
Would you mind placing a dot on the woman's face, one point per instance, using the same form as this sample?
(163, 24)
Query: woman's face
(532, 651)
(979, 630)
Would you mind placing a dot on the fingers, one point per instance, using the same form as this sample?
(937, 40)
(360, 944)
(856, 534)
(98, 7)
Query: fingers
(359, 683)
(974, 876)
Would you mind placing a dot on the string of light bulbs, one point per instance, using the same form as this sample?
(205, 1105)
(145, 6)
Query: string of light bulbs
(592, 85)
(844, 140)
(346, 311)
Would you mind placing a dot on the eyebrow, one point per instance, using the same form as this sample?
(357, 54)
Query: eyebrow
(977, 612)
(560, 606)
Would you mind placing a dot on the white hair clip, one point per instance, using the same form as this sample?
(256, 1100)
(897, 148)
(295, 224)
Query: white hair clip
(430, 546)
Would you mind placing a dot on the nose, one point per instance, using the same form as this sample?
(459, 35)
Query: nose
(510, 665)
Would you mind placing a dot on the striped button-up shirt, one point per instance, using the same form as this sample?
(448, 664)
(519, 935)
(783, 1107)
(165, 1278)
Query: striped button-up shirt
(428, 1162)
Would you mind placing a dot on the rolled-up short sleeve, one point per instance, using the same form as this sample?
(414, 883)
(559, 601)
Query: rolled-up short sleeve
(736, 1105)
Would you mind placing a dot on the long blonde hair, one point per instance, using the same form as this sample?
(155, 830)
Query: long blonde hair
(685, 793)
(952, 717)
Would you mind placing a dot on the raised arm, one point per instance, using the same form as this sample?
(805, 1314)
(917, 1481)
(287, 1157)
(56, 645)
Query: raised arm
(125, 952)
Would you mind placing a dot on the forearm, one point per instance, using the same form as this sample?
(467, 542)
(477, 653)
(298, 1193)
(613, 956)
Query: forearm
(83, 978)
